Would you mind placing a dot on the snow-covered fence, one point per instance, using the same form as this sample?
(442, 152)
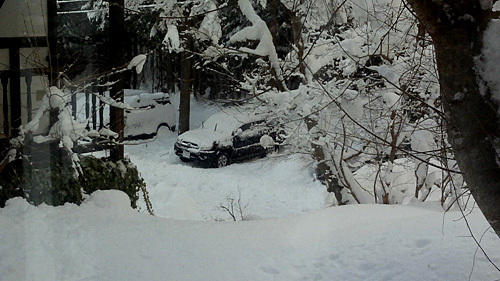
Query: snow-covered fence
(12, 115)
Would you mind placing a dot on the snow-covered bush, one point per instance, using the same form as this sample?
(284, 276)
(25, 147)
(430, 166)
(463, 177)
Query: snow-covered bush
(38, 182)
(102, 174)
(42, 166)
(33, 178)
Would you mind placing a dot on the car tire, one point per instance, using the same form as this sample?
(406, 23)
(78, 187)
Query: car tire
(185, 159)
(222, 160)
(268, 150)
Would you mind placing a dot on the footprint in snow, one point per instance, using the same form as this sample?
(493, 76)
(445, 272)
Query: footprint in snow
(421, 243)
(269, 270)
(319, 264)
(315, 277)
(333, 257)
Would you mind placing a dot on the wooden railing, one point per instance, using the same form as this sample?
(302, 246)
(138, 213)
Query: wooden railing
(11, 111)
(94, 108)
(12, 116)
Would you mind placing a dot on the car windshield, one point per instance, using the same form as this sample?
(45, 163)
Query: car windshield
(227, 121)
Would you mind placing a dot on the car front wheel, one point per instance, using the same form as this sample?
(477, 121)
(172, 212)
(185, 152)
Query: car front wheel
(222, 160)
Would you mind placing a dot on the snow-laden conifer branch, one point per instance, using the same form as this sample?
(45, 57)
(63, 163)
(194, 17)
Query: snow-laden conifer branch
(260, 32)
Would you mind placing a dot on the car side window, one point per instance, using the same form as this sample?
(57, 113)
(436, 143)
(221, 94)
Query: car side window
(247, 137)
(246, 126)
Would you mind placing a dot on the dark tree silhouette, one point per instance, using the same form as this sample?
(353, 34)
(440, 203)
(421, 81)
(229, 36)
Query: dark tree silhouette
(117, 54)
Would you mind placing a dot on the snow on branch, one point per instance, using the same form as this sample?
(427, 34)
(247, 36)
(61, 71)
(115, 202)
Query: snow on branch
(172, 40)
(67, 129)
(259, 32)
(118, 104)
(210, 28)
(138, 63)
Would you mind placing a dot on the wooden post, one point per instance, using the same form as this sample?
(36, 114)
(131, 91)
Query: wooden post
(5, 83)
(135, 52)
(117, 60)
(87, 105)
(73, 105)
(94, 108)
(15, 91)
(29, 106)
(101, 108)
(52, 38)
(153, 74)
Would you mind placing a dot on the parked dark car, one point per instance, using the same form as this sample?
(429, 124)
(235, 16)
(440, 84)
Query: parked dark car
(228, 137)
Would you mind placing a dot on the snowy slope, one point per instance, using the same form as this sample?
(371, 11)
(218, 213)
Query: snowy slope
(106, 240)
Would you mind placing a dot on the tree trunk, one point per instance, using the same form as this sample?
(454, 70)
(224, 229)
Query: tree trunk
(170, 69)
(324, 170)
(298, 41)
(273, 7)
(186, 85)
(472, 120)
(117, 60)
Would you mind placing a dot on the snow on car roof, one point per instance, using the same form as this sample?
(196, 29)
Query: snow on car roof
(228, 120)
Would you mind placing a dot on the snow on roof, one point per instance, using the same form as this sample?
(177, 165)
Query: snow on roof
(231, 119)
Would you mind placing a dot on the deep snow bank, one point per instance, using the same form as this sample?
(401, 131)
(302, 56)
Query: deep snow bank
(104, 239)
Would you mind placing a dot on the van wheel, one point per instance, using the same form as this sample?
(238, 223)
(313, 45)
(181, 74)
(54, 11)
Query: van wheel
(222, 160)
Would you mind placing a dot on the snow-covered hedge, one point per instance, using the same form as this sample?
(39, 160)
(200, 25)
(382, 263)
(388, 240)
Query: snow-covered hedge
(36, 181)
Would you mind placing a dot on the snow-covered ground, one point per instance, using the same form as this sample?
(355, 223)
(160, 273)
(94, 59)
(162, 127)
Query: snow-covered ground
(275, 186)
(104, 239)
(289, 233)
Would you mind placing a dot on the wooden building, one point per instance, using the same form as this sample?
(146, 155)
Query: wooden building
(30, 59)
(27, 36)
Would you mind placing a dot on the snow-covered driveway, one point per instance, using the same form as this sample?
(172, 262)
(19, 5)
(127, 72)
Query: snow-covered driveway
(274, 186)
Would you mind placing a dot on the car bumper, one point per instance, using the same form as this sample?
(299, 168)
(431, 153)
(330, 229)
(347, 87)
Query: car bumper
(194, 155)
